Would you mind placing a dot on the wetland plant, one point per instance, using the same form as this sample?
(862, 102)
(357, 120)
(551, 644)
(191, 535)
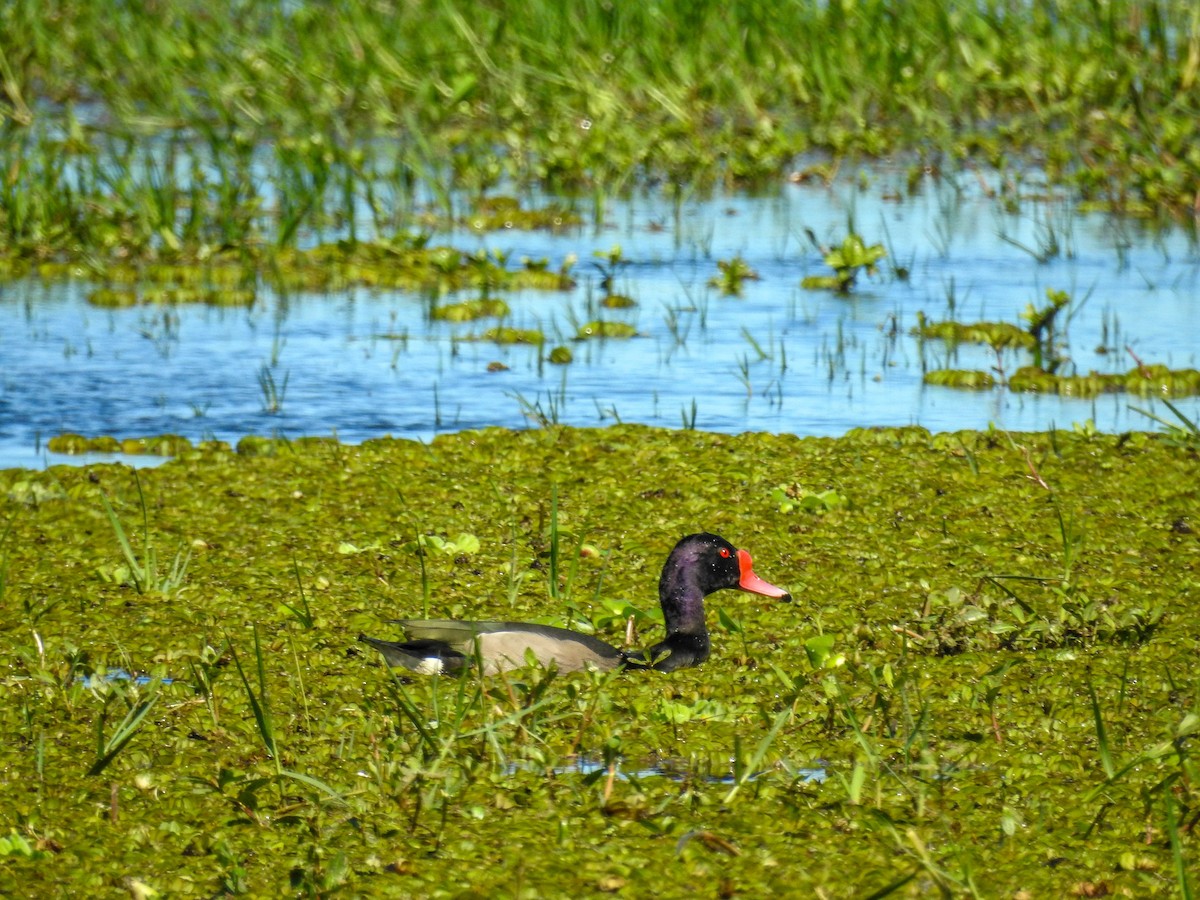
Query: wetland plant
(847, 261)
(734, 273)
(144, 571)
(107, 749)
(611, 263)
(272, 393)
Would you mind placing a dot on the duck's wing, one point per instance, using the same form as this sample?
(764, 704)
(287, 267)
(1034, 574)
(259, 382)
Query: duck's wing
(444, 645)
(422, 657)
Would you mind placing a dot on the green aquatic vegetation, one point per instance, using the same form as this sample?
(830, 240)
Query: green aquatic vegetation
(1044, 330)
(793, 496)
(411, 264)
(76, 443)
(470, 310)
(734, 273)
(1159, 381)
(536, 274)
(201, 145)
(464, 545)
(997, 335)
(970, 379)
(206, 296)
(109, 298)
(506, 335)
(495, 213)
(612, 261)
(954, 621)
(1042, 338)
(155, 445)
(1183, 431)
(561, 356)
(602, 328)
(143, 571)
(1147, 381)
(272, 393)
(107, 749)
(847, 261)
(617, 301)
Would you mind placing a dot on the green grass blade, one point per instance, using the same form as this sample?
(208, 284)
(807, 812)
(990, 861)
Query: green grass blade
(554, 542)
(302, 612)
(1181, 866)
(1101, 734)
(124, 732)
(316, 783)
(258, 702)
(131, 560)
(760, 753)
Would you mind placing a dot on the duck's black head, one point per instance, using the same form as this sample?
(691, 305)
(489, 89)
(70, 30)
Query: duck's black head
(703, 563)
(699, 564)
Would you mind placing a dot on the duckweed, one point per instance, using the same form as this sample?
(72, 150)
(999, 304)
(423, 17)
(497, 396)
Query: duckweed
(994, 334)
(74, 444)
(410, 264)
(964, 605)
(109, 298)
(971, 379)
(512, 336)
(493, 213)
(617, 301)
(207, 296)
(470, 310)
(158, 445)
(1155, 380)
(601, 328)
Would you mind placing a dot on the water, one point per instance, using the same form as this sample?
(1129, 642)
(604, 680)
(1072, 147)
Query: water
(778, 359)
(676, 770)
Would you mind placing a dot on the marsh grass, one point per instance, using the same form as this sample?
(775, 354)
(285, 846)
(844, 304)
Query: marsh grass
(272, 393)
(259, 703)
(302, 612)
(144, 570)
(1184, 431)
(201, 143)
(139, 704)
(264, 721)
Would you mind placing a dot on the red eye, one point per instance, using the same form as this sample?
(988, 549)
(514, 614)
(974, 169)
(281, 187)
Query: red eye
(725, 553)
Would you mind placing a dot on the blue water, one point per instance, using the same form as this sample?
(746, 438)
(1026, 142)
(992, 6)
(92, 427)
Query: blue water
(777, 359)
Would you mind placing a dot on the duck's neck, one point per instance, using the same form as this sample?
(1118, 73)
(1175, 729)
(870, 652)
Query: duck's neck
(682, 599)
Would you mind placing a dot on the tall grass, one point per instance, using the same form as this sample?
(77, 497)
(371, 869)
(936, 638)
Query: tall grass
(144, 570)
(107, 749)
(148, 129)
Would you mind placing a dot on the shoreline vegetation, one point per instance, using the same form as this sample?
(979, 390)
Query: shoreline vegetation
(177, 131)
(988, 656)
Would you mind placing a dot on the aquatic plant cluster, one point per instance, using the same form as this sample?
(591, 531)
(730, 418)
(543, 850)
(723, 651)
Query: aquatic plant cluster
(1046, 348)
(145, 131)
(989, 659)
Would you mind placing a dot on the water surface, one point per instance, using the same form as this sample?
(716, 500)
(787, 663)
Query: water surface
(361, 363)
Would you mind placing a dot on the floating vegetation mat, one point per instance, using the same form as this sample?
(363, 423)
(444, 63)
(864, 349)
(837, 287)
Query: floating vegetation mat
(988, 659)
(1145, 381)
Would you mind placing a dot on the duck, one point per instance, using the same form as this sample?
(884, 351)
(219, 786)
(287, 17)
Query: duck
(699, 565)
